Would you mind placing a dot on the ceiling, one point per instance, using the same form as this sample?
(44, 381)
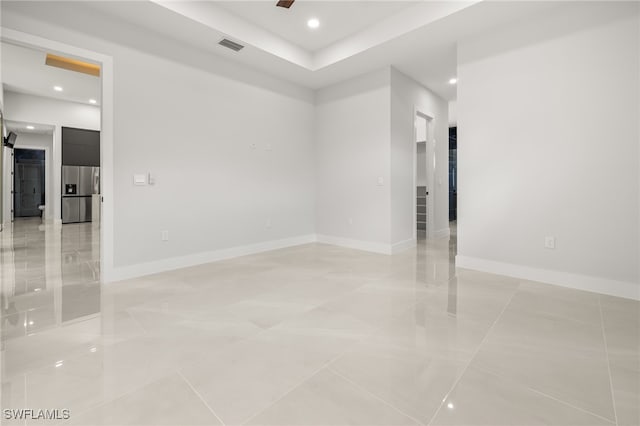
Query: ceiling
(337, 19)
(24, 71)
(21, 127)
(418, 37)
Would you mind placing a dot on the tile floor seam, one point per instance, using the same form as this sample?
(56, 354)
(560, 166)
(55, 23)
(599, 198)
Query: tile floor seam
(39, 367)
(570, 405)
(287, 392)
(365, 390)
(200, 397)
(539, 392)
(306, 379)
(137, 321)
(118, 396)
(606, 352)
(464, 370)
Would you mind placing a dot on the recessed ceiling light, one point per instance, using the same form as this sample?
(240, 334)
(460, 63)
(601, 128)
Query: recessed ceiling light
(313, 23)
(57, 88)
(92, 101)
(30, 127)
(453, 80)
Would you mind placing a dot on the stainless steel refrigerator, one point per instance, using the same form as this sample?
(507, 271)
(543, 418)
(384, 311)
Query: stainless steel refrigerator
(79, 183)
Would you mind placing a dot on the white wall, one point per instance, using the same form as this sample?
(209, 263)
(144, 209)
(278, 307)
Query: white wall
(548, 121)
(213, 191)
(421, 163)
(365, 131)
(407, 97)
(190, 119)
(33, 141)
(352, 153)
(453, 113)
(57, 113)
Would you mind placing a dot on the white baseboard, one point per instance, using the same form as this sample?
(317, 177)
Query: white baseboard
(624, 289)
(355, 244)
(442, 233)
(120, 273)
(403, 245)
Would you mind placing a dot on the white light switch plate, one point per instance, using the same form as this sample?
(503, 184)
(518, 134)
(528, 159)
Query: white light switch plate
(139, 179)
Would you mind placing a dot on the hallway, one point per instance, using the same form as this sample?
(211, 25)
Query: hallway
(310, 334)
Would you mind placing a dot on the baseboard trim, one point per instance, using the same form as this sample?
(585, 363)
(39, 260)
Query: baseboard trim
(624, 289)
(442, 233)
(120, 273)
(403, 245)
(374, 247)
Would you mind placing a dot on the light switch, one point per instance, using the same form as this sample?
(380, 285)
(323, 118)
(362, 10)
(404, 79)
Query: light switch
(380, 181)
(139, 179)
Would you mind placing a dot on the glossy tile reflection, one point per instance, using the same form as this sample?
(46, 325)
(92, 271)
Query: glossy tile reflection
(313, 334)
(50, 275)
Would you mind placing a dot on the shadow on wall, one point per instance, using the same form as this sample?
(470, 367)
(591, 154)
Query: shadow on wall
(556, 25)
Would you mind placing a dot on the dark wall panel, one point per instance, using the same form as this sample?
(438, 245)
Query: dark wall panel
(80, 147)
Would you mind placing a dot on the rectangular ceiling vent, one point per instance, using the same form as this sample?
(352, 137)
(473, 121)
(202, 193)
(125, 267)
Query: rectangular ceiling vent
(230, 44)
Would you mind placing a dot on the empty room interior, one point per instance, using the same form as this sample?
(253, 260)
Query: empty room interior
(258, 213)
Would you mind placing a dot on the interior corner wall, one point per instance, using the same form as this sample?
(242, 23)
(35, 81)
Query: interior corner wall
(230, 148)
(39, 110)
(352, 162)
(407, 97)
(549, 146)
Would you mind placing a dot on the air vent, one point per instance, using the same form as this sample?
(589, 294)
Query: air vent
(230, 44)
(285, 3)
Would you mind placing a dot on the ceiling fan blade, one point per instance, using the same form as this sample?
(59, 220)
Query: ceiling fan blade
(285, 3)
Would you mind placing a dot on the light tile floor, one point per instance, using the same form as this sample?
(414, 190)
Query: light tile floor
(309, 335)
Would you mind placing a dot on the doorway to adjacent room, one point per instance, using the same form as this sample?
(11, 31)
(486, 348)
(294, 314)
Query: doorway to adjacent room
(423, 177)
(29, 182)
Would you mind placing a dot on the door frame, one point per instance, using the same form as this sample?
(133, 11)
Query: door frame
(430, 171)
(106, 133)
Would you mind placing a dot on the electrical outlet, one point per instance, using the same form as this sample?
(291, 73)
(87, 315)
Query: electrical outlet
(380, 181)
(253, 146)
(164, 235)
(550, 242)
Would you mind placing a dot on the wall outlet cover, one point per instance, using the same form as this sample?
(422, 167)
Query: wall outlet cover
(550, 242)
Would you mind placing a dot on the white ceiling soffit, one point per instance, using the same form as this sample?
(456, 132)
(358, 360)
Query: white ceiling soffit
(427, 53)
(24, 127)
(409, 16)
(337, 19)
(24, 71)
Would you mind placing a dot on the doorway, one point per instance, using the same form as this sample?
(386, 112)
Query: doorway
(453, 174)
(29, 182)
(106, 92)
(423, 176)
